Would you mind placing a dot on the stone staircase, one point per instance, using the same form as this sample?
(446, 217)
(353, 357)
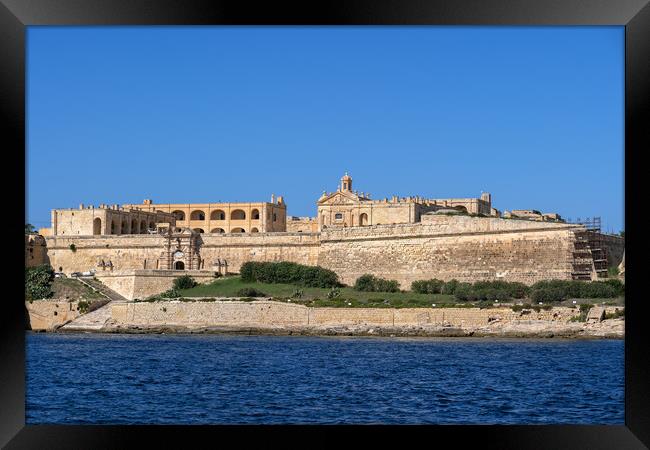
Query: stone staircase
(101, 288)
(595, 314)
(95, 320)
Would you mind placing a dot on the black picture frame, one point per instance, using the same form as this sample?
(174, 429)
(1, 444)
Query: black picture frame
(16, 15)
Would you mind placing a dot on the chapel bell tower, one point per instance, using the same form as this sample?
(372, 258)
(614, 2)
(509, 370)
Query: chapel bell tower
(346, 183)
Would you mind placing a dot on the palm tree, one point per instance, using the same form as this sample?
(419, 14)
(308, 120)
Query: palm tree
(29, 228)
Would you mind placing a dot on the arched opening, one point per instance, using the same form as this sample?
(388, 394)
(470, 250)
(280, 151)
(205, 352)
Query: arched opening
(217, 214)
(238, 214)
(199, 230)
(254, 230)
(152, 226)
(143, 227)
(363, 219)
(180, 215)
(113, 227)
(237, 230)
(197, 215)
(125, 227)
(179, 265)
(97, 226)
(217, 230)
(255, 214)
(134, 227)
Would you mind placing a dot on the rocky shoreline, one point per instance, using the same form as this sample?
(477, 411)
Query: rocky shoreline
(607, 329)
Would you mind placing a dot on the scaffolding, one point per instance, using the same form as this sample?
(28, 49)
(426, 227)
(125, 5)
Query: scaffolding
(590, 254)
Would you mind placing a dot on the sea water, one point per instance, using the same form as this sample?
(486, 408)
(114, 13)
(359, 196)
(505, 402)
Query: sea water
(220, 379)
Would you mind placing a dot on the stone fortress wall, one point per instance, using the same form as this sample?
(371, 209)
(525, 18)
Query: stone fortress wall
(404, 239)
(270, 314)
(461, 247)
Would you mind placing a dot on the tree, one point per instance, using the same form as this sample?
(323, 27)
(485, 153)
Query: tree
(29, 228)
(622, 233)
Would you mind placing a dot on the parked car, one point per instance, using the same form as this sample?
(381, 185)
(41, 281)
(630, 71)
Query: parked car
(75, 274)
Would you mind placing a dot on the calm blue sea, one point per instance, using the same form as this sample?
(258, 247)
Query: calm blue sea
(216, 379)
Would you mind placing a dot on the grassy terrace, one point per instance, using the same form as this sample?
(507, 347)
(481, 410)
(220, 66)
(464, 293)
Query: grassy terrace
(348, 297)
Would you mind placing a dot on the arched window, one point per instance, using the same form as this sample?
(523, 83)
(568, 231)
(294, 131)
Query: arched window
(97, 226)
(237, 230)
(363, 219)
(255, 214)
(180, 215)
(197, 215)
(199, 230)
(179, 265)
(217, 230)
(254, 230)
(217, 214)
(237, 214)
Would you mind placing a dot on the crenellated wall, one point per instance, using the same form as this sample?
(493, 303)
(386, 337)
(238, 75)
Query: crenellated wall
(462, 247)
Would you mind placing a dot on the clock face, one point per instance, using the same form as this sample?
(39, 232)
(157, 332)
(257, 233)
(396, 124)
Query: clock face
(178, 254)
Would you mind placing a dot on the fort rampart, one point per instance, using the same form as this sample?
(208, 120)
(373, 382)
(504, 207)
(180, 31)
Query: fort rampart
(461, 247)
(270, 314)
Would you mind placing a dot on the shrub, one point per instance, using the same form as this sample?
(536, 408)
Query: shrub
(371, 283)
(616, 314)
(585, 307)
(449, 287)
(599, 289)
(250, 292)
(172, 293)
(463, 291)
(433, 286)
(38, 282)
(616, 284)
(82, 306)
(73, 248)
(184, 282)
(290, 273)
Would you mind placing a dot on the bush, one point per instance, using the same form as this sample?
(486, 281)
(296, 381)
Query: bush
(184, 282)
(433, 286)
(463, 292)
(371, 283)
(558, 290)
(172, 293)
(82, 306)
(449, 287)
(616, 284)
(250, 292)
(73, 248)
(38, 282)
(289, 273)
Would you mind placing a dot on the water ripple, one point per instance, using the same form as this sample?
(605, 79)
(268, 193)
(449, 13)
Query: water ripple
(166, 379)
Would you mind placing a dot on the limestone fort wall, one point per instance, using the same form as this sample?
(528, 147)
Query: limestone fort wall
(276, 314)
(445, 247)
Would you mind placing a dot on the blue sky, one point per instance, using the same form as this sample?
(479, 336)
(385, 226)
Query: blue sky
(533, 115)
